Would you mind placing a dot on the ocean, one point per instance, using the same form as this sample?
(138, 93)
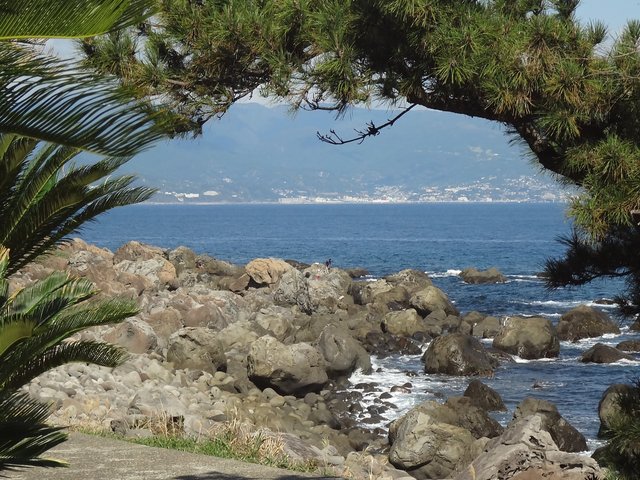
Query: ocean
(438, 238)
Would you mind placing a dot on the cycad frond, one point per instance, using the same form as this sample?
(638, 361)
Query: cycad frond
(47, 99)
(23, 434)
(69, 18)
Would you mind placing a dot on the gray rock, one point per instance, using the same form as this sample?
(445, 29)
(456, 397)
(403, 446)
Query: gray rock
(405, 323)
(411, 280)
(458, 354)
(484, 397)
(196, 348)
(601, 353)
(342, 353)
(182, 258)
(529, 338)
(474, 276)
(608, 407)
(267, 271)
(289, 369)
(565, 436)
(526, 451)
(488, 327)
(430, 299)
(135, 335)
(629, 346)
(585, 322)
(327, 287)
(292, 289)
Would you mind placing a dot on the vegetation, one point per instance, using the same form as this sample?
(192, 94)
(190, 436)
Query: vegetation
(555, 84)
(43, 199)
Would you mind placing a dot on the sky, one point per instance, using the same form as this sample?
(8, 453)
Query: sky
(614, 13)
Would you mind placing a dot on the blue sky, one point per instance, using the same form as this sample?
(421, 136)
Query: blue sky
(614, 13)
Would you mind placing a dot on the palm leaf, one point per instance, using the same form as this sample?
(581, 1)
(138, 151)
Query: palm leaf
(69, 18)
(23, 434)
(43, 97)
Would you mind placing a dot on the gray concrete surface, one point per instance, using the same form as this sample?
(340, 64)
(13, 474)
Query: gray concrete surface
(92, 457)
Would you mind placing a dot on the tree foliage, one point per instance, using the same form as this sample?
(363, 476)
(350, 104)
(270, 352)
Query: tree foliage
(562, 91)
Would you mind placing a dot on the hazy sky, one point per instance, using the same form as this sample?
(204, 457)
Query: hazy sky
(614, 13)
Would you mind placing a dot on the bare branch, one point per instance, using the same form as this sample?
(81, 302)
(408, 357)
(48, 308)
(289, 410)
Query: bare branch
(371, 131)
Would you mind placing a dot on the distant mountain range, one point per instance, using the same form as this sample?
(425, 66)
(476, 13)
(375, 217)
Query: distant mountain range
(264, 154)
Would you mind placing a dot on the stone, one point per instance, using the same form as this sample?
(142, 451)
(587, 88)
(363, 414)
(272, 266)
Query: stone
(425, 445)
(529, 338)
(484, 397)
(526, 451)
(488, 327)
(629, 346)
(564, 435)
(136, 251)
(196, 348)
(135, 335)
(430, 299)
(326, 287)
(292, 289)
(278, 321)
(458, 354)
(601, 353)
(267, 271)
(182, 258)
(585, 322)
(342, 353)
(289, 369)
(411, 280)
(608, 407)
(439, 323)
(474, 276)
(405, 323)
(364, 293)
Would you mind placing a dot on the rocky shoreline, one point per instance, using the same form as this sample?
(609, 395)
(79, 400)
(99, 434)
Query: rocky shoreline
(272, 345)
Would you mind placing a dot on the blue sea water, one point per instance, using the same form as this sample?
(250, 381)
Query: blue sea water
(440, 239)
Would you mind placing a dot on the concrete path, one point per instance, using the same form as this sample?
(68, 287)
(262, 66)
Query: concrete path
(96, 458)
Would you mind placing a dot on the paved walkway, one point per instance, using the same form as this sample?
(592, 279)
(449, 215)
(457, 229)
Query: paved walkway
(92, 457)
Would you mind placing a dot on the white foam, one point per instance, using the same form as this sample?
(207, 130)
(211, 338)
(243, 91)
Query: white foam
(449, 273)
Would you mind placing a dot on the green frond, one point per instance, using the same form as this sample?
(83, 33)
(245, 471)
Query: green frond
(69, 18)
(54, 101)
(24, 436)
(12, 331)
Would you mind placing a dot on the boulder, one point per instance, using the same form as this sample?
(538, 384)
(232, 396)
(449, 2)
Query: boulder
(529, 338)
(585, 322)
(439, 323)
(458, 354)
(326, 287)
(182, 258)
(278, 321)
(430, 299)
(342, 353)
(292, 289)
(629, 346)
(433, 440)
(409, 279)
(565, 436)
(158, 270)
(289, 369)
(397, 298)
(364, 293)
(601, 353)
(197, 348)
(355, 272)
(526, 451)
(136, 251)
(404, 322)
(488, 327)
(484, 397)
(267, 271)
(474, 276)
(134, 335)
(608, 407)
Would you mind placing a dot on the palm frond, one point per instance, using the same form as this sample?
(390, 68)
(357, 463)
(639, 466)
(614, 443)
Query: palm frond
(48, 99)
(24, 436)
(69, 18)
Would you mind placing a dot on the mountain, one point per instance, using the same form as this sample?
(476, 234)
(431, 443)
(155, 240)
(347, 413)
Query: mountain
(256, 153)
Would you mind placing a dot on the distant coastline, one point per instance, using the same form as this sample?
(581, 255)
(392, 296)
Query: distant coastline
(371, 202)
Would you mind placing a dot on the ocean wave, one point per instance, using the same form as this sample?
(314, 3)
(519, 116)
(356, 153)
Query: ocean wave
(518, 359)
(449, 273)
(563, 303)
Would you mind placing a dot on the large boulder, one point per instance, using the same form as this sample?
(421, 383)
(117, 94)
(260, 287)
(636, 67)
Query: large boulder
(278, 321)
(182, 258)
(136, 251)
(601, 353)
(342, 353)
(565, 436)
(433, 440)
(529, 338)
(488, 327)
(289, 369)
(474, 276)
(585, 322)
(411, 280)
(292, 289)
(326, 287)
(404, 322)
(196, 348)
(458, 354)
(158, 270)
(134, 335)
(609, 407)
(267, 271)
(365, 292)
(439, 322)
(526, 451)
(430, 299)
(485, 397)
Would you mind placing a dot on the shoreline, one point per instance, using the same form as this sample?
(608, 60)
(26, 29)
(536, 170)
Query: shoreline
(329, 203)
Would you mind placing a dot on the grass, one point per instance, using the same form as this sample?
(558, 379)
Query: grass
(232, 440)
